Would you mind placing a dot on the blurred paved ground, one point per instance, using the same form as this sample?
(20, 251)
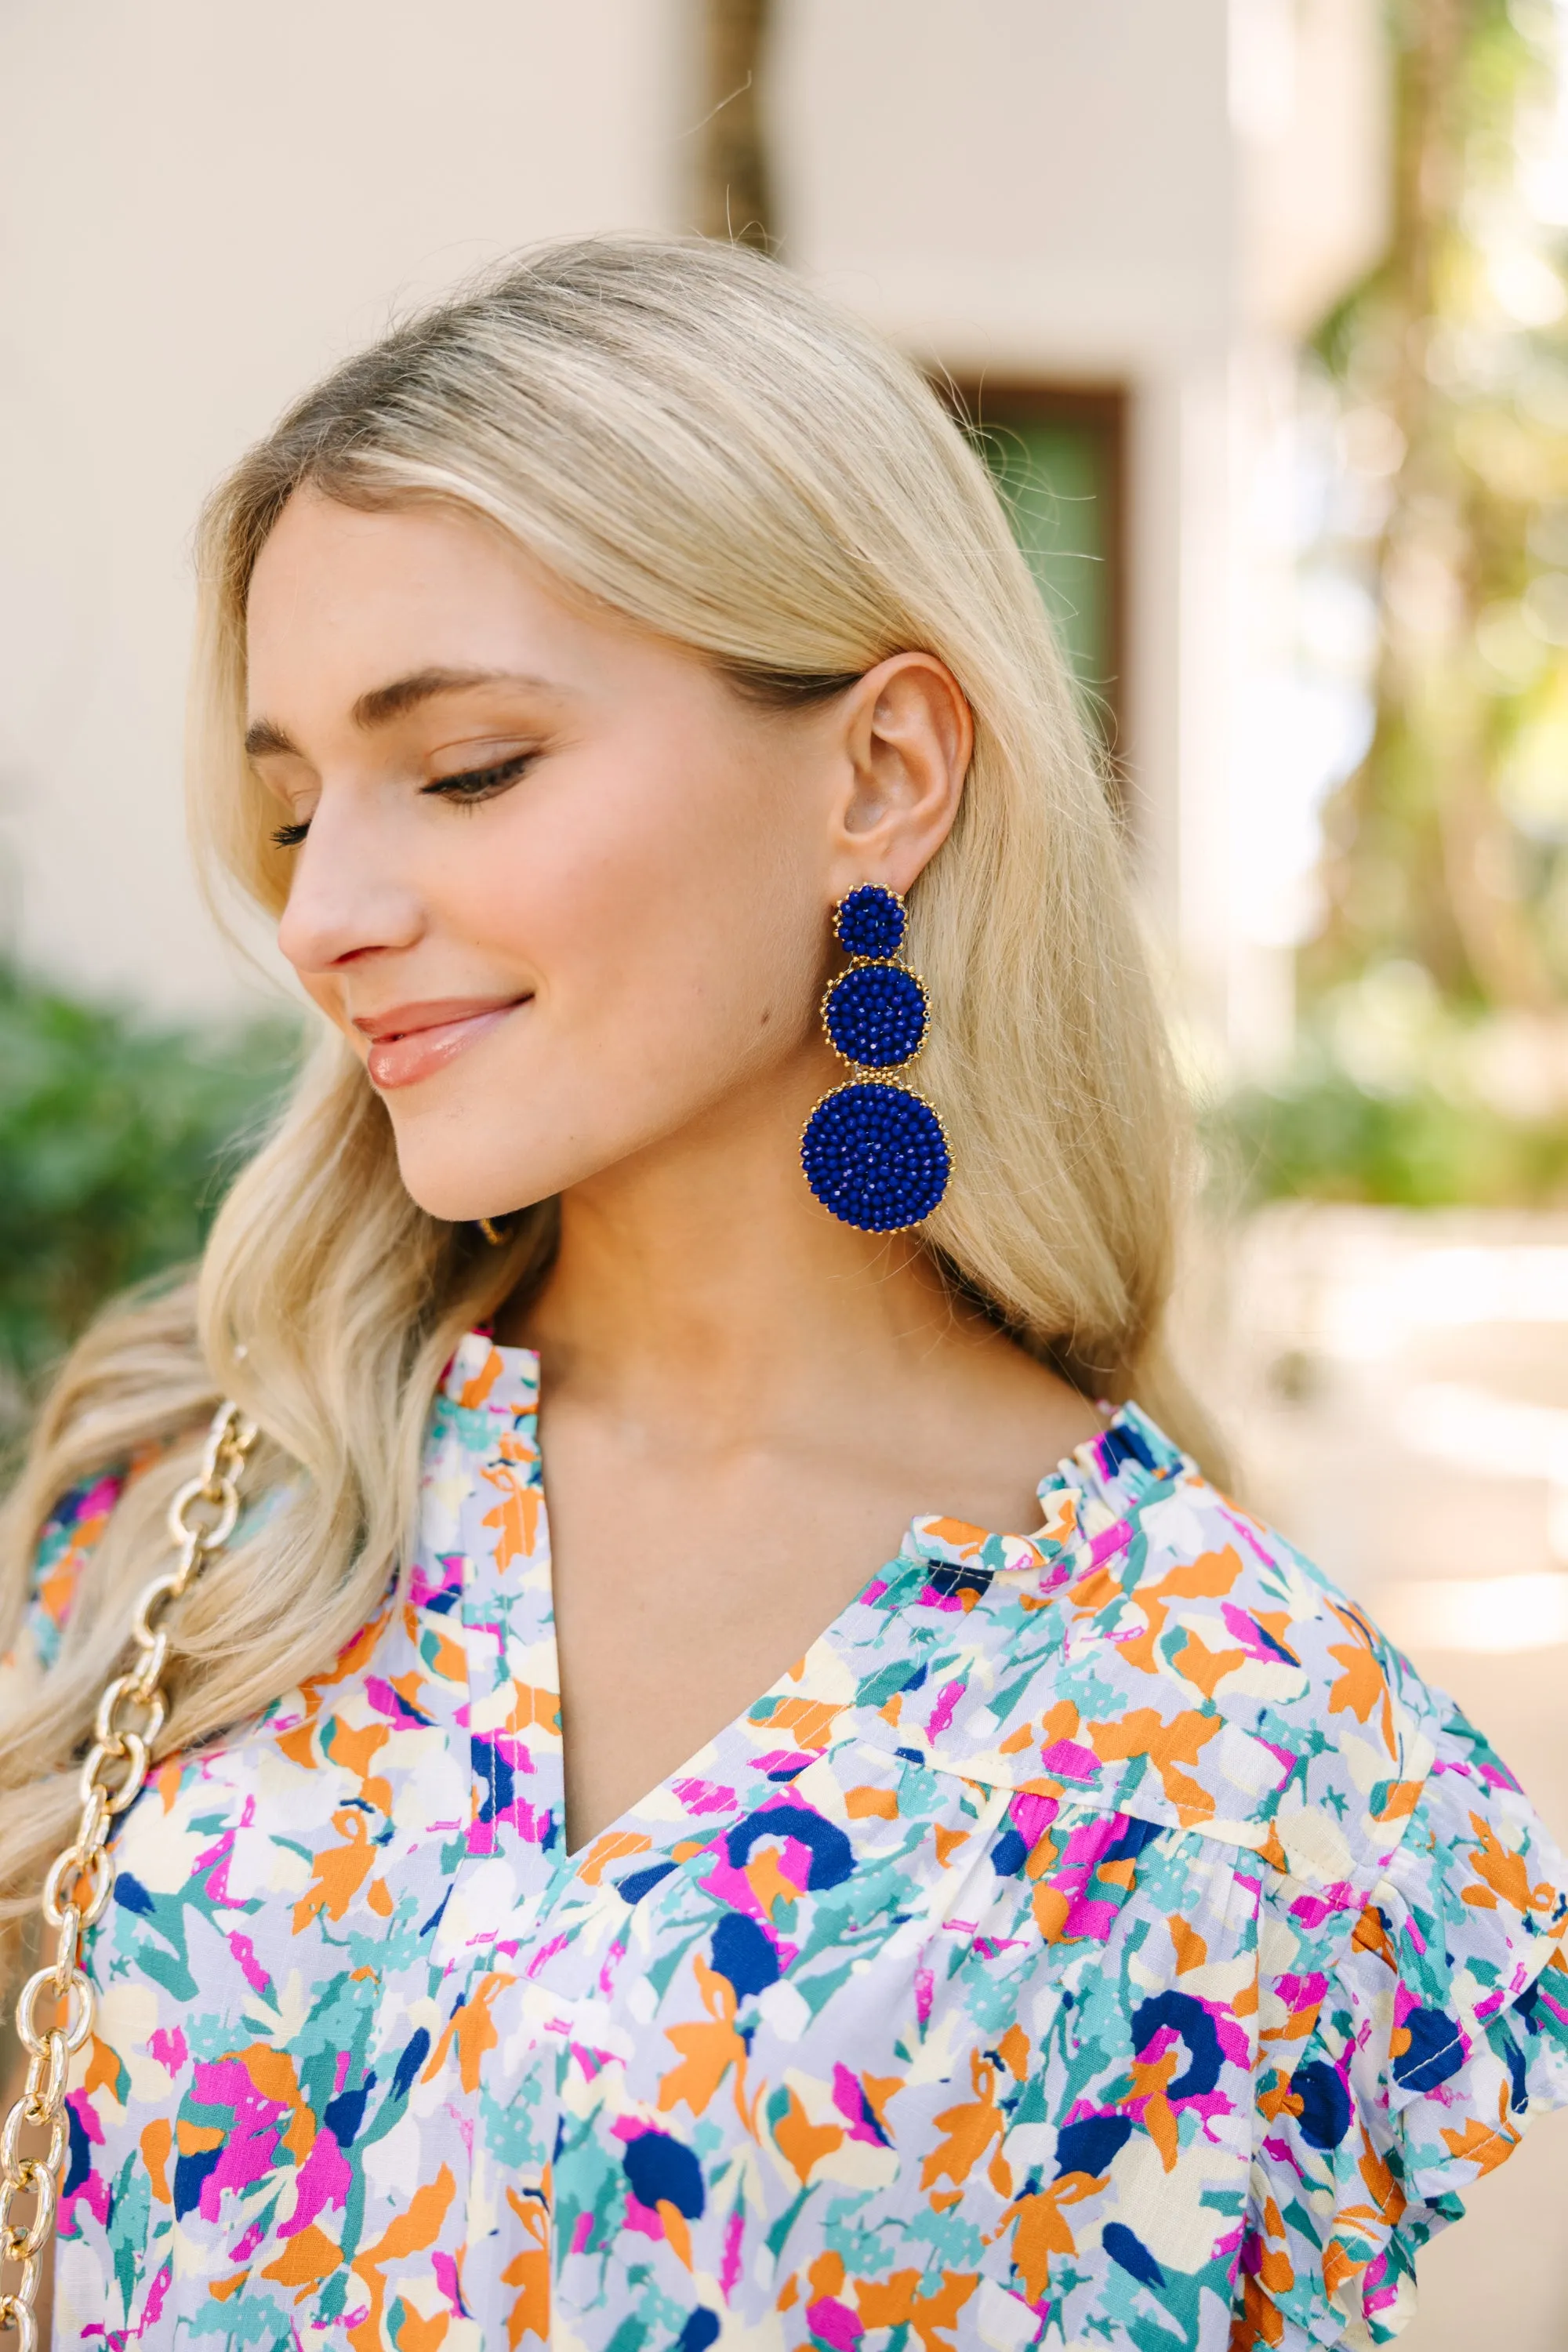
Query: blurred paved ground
(1398, 1388)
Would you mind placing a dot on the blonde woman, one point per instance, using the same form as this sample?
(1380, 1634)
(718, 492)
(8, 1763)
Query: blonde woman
(704, 1913)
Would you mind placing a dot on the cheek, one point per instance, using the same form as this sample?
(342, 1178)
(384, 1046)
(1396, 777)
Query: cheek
(673, 939)
(683, 910)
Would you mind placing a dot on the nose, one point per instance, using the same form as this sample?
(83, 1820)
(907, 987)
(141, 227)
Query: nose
(350, 895)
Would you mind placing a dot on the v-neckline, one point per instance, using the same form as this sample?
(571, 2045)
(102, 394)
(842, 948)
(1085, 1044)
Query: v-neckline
(503, 1379)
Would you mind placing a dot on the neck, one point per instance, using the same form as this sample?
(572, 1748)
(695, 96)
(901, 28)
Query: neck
(702, 1283)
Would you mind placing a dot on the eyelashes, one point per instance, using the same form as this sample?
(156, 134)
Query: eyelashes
(466, 790)
(479, 783)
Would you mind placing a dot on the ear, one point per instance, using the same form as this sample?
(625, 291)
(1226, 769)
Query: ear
(907, 737)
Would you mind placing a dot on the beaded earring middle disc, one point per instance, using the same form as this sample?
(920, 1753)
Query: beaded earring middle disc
(874, 1151)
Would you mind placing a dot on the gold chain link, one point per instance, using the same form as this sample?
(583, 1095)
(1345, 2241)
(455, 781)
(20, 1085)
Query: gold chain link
(81, 1879)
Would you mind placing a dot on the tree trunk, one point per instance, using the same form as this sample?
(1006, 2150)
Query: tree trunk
(734, 197)
(1431, 722)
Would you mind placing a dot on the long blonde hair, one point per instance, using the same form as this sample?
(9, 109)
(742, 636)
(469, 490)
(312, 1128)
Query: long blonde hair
(687, 434)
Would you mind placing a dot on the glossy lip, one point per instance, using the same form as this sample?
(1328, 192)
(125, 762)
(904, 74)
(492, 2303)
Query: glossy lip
(413, 1041)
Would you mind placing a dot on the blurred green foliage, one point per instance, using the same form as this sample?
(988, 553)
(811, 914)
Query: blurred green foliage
(117, 1138)
(1316, 1133)
(1432, 1058)
(1393, 1095)
(1449, 844)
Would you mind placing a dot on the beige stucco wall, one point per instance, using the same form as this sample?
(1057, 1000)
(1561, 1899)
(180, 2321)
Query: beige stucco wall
(202, 206)
(1030, 184)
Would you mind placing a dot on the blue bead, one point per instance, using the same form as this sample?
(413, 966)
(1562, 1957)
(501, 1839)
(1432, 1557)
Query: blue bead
(870, 921)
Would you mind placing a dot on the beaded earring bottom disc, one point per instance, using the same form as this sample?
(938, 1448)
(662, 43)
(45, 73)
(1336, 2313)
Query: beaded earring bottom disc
(875, 1154)
(874, 1151)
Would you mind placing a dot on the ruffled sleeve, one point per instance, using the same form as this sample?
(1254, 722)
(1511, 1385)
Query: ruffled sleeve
(1419, 2054)
(64, 1548)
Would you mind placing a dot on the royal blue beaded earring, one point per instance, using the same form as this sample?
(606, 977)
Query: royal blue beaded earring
(874, 1151)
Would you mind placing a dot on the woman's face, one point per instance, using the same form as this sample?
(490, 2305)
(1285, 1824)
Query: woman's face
(564, 889)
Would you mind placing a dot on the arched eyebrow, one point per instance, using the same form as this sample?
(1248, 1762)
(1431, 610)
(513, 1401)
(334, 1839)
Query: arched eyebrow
(262, 737)
(382, 704)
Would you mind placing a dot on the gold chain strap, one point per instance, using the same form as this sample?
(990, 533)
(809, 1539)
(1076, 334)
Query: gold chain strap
(81, 1878)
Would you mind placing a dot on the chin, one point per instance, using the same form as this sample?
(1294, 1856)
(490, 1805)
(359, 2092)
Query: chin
(462, 1182)
(460, 1194)
(464, 1205)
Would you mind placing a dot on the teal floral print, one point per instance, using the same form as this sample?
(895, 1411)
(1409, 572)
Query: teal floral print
(1100, 1938)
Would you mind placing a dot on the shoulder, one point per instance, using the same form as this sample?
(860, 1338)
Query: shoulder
(1156, 1669)
(65, 1544)
(1307, 1735)
(1316, 1740)
(1156, 1648)
(1396, 1838)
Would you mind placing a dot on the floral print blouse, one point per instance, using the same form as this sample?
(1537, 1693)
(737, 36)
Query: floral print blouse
(1099, 1939)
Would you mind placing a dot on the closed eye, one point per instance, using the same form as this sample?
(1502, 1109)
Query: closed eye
(479, 783)
(467, 788)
